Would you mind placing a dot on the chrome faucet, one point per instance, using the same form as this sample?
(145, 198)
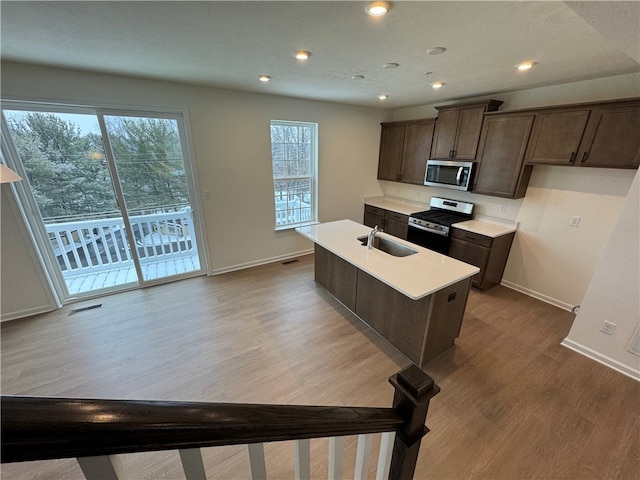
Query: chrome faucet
(372, 234)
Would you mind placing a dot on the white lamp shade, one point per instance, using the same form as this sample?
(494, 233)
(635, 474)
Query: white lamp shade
(7, 175)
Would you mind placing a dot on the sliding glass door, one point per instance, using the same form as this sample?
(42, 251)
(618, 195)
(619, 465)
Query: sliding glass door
(112, 195)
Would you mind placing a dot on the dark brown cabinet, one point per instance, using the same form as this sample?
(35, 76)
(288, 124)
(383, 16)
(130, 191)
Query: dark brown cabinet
(488, 254)
(336, 275)
(590, 135)
(390, 222)
(501, 171)
(612, 137)
(458, 129)
(556, 137)
(404, 150)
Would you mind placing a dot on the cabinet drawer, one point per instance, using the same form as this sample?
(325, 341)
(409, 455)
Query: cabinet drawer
(374, 210)
(471, 237)
(397, 217)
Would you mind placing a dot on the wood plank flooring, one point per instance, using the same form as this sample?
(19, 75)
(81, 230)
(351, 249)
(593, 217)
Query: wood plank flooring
(514, 404)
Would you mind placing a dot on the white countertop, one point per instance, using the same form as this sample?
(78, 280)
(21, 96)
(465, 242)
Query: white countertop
(483, 225)
(396, 205)
(487, 228)
(415, 276)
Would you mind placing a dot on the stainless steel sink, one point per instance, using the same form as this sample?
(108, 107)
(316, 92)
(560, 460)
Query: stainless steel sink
(388, 246)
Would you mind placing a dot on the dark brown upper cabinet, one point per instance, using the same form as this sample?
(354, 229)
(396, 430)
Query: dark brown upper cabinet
(404, 150)
(603, 134)
(501, 171)
(458, 129)
(612, 137)
(556, 136)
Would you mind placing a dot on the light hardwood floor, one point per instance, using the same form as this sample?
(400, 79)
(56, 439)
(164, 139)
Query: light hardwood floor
(514, 404)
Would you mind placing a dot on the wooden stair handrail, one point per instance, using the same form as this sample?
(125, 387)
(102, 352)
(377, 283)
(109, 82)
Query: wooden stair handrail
(41, 428)
(44, 428)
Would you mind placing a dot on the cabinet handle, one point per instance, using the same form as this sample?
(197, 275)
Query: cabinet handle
(450, 153)
(572, 158)
(455, 152)
(584, 157)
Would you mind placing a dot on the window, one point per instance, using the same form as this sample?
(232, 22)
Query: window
(293, 155)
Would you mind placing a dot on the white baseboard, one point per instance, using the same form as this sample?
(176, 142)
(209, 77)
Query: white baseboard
(603, 359)
(264, 261)
(538, 295)
(26, 313)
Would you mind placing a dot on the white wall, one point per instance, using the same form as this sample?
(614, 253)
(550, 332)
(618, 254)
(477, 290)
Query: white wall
(23, 288)
(549, 259)
(612, 295)
(231, 146)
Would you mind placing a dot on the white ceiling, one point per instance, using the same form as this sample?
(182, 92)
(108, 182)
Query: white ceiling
(228, 44)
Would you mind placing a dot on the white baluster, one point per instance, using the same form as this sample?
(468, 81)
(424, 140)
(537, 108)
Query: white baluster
(362, 456)
(336, 456)
(256, 461)
(384, 457)
(106, 467)
(192, 465)
(303, 459)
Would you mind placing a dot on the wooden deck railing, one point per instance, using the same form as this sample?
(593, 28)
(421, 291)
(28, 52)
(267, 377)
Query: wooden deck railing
(43, 428)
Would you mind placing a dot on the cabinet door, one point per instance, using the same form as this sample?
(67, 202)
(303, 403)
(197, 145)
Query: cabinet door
(374, 216)
(501, 156)
(445, 134)
(556, 137)
(390, 159)
(416, 150)
(396, 224)
(469, 126)
(472, 254)
(612, 138)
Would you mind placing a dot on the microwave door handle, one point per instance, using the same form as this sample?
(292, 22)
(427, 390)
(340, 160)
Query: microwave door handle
(459, 175)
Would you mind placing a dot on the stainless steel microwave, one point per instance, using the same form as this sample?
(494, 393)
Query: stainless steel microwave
(449, 174)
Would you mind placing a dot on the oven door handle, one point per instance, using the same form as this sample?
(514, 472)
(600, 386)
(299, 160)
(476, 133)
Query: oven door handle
(459, 176)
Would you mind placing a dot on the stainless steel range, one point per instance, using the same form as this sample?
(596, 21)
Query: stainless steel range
(431, 228)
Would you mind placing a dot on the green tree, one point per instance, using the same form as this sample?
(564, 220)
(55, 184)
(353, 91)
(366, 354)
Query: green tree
(65, 168)
(148, 156)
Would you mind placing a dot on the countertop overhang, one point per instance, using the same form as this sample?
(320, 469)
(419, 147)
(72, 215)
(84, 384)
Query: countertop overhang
(415, 276)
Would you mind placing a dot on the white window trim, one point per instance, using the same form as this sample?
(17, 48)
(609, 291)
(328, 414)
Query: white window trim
(313, 177)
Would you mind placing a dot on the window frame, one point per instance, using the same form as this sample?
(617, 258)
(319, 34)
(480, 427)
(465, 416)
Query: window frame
(312, 177)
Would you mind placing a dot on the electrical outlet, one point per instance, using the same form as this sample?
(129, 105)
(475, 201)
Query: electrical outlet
(207, 195)
(608, 327)
(574, 222)
(503, 208)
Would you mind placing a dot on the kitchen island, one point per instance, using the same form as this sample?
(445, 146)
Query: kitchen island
(415, 302)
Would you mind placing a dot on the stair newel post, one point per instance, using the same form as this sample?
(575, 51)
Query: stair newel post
(413, 391)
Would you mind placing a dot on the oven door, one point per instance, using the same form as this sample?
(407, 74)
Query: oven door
(426, 239)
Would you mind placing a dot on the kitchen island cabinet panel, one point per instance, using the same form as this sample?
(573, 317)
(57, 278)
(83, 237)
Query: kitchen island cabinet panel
(400, 320)
(336, 275)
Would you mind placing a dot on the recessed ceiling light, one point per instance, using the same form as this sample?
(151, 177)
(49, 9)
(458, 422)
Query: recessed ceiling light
(377, 9)
(383, 96)
(302, 55)
(357, 77)
(437, 85)
(264, 78)
(525, 66)
(391, 65)
(436, 51)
